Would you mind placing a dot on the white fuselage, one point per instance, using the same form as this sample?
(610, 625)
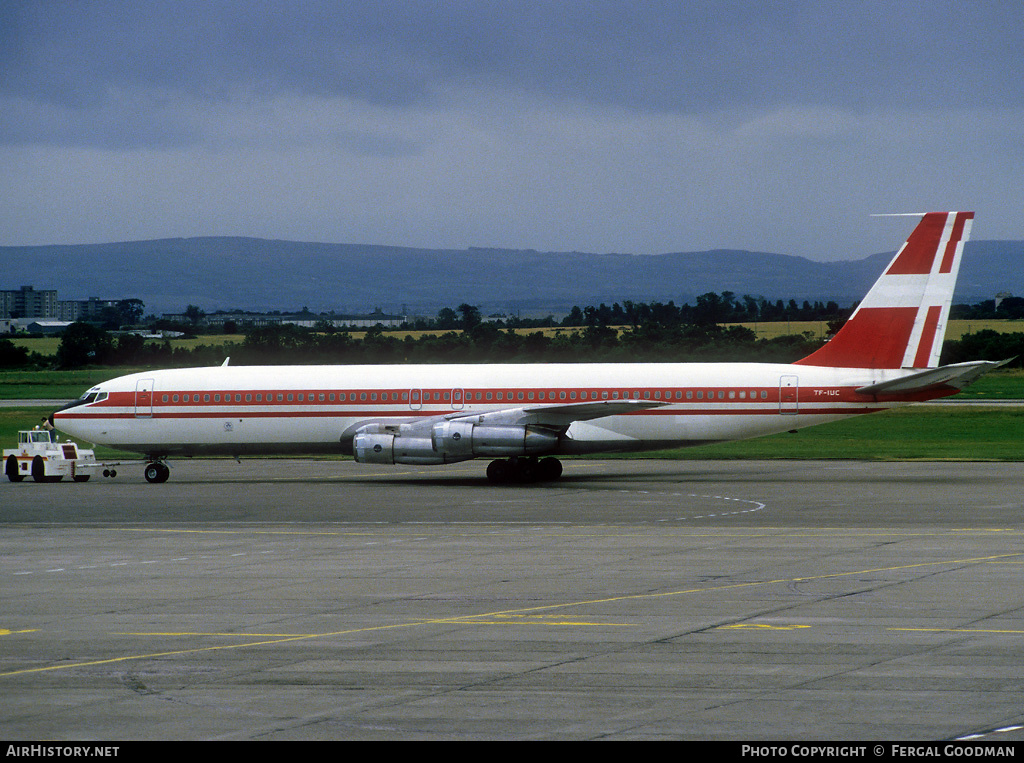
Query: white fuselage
(238, 410)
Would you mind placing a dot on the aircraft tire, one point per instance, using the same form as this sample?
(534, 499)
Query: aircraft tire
(81, 477)
(527, 471)
(12, 470)
(550, 468)
(156, 472)
(499, 471)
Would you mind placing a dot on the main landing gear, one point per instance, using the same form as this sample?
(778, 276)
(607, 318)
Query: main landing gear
(523, 470)
(157, 471)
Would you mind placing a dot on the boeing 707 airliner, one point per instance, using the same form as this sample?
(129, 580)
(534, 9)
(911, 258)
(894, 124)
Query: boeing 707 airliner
(524, 416)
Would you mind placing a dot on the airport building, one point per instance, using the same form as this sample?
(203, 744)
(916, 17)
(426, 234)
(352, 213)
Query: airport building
(28, 302)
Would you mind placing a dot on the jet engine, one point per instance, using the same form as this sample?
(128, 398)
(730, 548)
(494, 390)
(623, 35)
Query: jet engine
(448, 442)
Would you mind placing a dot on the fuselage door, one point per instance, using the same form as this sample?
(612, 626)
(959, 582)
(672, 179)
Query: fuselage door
(789, 394)
(144, 399)
(457, 399)
(415, 399)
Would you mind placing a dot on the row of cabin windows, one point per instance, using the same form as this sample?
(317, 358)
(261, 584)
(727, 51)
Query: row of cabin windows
(510, 396)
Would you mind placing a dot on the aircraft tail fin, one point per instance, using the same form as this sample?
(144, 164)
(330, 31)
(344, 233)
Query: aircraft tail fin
(902, 321)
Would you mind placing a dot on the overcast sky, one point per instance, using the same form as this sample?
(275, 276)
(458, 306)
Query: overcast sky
(638, 126)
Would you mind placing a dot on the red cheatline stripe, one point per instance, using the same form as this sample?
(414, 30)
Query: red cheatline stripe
(806, 407)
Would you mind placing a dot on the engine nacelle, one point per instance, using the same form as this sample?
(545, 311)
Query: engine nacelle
(448, 442)
(467, 440)
(377, 444)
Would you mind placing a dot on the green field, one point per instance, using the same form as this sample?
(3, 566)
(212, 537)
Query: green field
(54, 385)
(915, 433)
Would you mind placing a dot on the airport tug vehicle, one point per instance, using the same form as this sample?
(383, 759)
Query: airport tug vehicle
(42, 456)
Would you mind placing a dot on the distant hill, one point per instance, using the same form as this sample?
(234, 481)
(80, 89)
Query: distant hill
(218, 273)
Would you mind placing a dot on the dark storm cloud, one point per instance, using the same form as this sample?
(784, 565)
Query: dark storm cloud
(640, 126)
(111, 62)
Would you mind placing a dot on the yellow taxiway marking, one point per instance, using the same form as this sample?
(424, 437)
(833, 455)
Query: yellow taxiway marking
(483, 616)
(764, 626)
(5, 632)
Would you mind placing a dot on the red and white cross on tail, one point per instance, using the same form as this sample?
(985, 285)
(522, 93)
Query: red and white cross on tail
(902, 321)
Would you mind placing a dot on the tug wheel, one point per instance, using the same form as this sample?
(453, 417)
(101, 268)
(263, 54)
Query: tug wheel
(12, 470)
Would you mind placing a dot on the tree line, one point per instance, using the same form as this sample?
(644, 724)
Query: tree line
(630, 332)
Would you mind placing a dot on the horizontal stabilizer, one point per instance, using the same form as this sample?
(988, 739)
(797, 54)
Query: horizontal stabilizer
(958, 375)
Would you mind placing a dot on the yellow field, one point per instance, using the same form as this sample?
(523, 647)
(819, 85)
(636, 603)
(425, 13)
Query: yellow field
(955, 330)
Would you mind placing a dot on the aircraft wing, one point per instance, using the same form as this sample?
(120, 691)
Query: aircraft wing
(958, 375)
(554, 417)
(557, 416)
